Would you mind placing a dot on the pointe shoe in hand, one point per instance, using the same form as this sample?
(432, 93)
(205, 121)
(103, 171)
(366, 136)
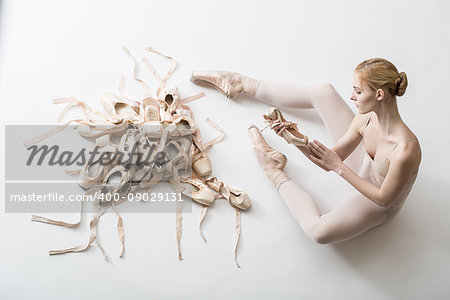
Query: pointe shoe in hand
(290, 134)
(272, 161)
(221, 80)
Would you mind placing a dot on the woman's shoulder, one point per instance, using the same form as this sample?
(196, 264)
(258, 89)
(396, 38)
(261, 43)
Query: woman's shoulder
(407, 134)
(408, 150)
(361, 121)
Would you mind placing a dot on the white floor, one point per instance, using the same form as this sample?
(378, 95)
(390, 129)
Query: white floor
(53, 49)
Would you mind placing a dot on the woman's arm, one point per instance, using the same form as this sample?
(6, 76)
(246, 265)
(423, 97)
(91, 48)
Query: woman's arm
(344, 147)
(403, 162)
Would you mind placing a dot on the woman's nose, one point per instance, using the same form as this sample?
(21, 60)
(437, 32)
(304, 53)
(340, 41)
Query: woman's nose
(352, 97)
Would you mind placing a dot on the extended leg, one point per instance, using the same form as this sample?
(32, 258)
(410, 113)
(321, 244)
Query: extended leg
(335, 113)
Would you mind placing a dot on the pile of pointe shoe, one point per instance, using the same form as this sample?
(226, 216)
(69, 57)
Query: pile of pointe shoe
(161, 128)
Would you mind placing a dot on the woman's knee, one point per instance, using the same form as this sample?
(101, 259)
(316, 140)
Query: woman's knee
(328, 90)
(319, 234)
(325, 92)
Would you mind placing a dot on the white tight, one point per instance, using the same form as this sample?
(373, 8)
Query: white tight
(353, 216)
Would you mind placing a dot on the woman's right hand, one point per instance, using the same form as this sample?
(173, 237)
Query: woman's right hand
(278, 127)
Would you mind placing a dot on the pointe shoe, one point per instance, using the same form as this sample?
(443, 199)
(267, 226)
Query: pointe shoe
(271, 156)
(201, 163)
(239, 198)
(235, 196)
(182, 126)
(171, 99)
(176, 157)
(218, 79)
(126, 146)
(197, 190)
(86, 178)
(291, 134)
(118, 109)
(151, 110)
(123, 187)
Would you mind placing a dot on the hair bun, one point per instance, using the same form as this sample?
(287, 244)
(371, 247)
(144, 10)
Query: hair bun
(400, 84)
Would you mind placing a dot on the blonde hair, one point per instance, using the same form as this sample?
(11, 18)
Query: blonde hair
(379, 73)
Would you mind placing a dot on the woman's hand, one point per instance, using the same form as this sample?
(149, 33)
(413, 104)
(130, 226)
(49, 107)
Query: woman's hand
(278, 127)
(324, 156)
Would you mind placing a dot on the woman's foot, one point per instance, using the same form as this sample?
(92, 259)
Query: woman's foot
(231, 84)
(272, 161)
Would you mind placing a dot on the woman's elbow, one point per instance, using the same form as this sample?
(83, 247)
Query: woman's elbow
(383, 200)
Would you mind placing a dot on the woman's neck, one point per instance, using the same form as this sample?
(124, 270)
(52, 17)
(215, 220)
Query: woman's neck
(388, 117)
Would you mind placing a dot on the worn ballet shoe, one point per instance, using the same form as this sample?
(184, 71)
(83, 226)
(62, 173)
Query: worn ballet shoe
(182, 126)
(152, 130)
(118, 109)
(235, 196)
(239, 198)
(127, 147)
(291, 134)
(87, 177)
(220, 80)
(171, 99)
(124, 185)
(196, 189)
(201, 163)
(273, 162)
(177, 158)
(151, 110)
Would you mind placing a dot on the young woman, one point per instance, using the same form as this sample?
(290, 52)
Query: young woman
(383, 170)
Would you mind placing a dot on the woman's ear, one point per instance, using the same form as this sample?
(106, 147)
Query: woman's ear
(380, 94)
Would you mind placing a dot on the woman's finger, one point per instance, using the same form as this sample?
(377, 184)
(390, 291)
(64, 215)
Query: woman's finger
(314, 159)
(313, 150)
(323, 147)
(316, 147)
(275, 126)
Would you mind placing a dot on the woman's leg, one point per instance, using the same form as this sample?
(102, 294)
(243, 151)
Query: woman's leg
(334, 111)
(353, 217)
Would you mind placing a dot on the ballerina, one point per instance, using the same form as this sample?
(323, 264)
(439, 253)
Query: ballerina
(383, 170)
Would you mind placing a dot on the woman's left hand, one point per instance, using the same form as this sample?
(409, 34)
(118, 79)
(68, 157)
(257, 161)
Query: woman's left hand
(324, 156)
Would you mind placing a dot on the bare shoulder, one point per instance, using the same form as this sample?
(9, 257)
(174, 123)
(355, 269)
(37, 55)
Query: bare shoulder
(360, 121)
(408, 152)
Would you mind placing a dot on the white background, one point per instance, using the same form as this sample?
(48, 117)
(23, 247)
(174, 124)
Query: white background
(65, 48)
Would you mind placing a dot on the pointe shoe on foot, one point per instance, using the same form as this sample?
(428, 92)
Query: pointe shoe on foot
(220, 80)
(291, 134)
(273, 162)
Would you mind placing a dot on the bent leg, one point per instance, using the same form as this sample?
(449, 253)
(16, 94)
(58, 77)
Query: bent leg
(353, 217)
(332, 108)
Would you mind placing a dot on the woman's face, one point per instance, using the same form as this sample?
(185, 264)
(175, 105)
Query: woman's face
(364, 97)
